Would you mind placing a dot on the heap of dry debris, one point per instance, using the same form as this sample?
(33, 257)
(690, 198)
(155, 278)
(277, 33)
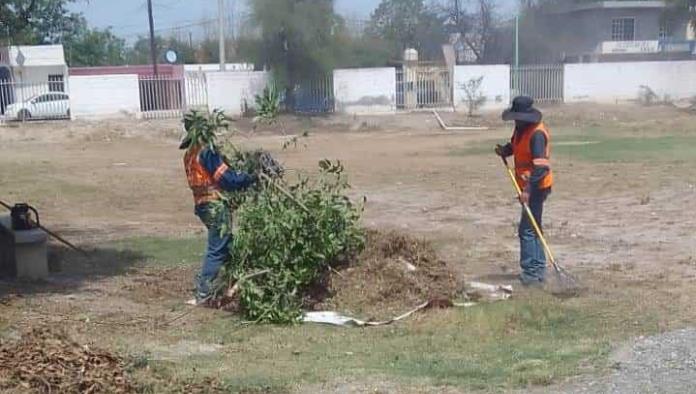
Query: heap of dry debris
(47, 361)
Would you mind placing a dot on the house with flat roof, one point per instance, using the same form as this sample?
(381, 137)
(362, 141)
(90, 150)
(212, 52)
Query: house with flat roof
(27, 71)
(596, 31)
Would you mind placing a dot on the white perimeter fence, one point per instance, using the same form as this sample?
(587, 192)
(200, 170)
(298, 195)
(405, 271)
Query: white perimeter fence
(367, 90)
(25, 101)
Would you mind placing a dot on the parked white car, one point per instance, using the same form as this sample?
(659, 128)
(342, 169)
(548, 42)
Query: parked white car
(47, 105)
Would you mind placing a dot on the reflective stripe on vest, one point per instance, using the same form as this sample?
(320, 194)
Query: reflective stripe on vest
(524, 163)
(202, 185)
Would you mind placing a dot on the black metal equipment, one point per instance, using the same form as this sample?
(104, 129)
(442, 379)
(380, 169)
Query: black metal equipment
(22, 217)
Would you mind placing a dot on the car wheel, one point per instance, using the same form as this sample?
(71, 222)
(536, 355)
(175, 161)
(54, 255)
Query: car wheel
(67, 114)
(24, 115)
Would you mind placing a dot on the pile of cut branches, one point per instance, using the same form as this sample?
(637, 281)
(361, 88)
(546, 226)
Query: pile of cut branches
(285, 235)
(285, 238)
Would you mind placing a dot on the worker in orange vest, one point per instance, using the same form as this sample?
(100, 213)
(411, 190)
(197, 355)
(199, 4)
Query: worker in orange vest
(207, 175)
(530, 146)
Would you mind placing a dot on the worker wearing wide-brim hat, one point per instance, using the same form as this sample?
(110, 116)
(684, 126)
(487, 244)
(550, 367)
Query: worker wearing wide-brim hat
(531, 147)
(208, 175)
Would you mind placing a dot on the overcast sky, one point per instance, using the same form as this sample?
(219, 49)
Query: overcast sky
(129, 17)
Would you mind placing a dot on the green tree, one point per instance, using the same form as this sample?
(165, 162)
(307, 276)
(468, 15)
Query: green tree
(409, 24)
(37, 21)
(205, 51)
(139, 53)
(95, 48)
(365, 51)
(297, 39)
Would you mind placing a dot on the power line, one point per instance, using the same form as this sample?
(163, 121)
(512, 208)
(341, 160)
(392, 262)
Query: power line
(176, 27)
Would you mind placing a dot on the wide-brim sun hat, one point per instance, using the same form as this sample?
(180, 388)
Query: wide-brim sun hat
(523, 110)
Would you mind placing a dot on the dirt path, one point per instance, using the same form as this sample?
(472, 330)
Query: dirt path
(664, 363)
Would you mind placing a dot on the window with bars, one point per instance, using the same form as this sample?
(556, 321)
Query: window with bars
(623, 29)
(56, 83)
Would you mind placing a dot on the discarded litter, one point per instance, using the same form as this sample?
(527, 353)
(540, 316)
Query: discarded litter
(484, 291)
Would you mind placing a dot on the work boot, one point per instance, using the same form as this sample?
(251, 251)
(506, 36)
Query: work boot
(529, 281)
(200, 300)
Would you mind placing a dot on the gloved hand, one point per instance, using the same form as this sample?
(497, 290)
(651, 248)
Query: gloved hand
(524, 197)
(270, 166)
(500, 150)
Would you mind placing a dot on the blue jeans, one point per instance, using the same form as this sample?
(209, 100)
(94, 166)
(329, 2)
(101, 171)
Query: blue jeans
(216, 252)
(532, 257)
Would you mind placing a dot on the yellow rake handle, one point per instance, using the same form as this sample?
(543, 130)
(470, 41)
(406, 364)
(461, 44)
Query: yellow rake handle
(530, 216)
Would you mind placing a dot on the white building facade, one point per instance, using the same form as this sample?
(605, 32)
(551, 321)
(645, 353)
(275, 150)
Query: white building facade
(27, 71)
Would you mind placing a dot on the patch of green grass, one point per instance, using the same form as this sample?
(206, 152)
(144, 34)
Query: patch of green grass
(596, 146)
(630, 149)
(537, 340)
(163, 252)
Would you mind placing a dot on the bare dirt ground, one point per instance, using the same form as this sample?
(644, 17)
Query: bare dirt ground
(624, 226)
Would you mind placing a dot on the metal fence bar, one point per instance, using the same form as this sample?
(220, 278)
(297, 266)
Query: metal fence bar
(169, 97)
(32, 101)
(542, 82)
(314, 96)
(422, 86)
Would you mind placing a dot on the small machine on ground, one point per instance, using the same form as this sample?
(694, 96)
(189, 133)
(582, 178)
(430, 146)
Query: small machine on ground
(23, 243)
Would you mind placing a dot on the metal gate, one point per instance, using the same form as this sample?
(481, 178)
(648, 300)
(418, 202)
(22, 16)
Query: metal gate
(169, 97)
(543, 82)
(161, 96)
(314, 96)
(423, 86)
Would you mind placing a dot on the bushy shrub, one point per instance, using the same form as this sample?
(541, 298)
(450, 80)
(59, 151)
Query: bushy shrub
(285, 237)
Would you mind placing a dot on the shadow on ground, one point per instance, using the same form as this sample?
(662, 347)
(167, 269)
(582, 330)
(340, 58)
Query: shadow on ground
(70, 269)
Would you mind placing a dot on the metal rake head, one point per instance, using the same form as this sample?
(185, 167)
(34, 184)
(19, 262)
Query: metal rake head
(566, 284)
(270, 166)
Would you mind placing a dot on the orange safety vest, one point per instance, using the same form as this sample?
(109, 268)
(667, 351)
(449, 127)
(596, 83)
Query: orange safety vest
(524, 164)
(203, 185)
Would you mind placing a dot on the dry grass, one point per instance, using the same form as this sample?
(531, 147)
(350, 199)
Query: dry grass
(394, 273)
(635, 253)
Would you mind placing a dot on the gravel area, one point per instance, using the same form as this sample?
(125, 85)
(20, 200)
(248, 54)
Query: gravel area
(664, 363)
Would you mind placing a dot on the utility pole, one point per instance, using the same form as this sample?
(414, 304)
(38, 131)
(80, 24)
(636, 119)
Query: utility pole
(221, 32)
(516, 73)
(517, 41)
(456, 13)
(153, 46)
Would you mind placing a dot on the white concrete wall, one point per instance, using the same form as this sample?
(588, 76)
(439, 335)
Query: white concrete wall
(495, 86)
(37, 55)
(104, 95)
(231, 91)
(620, 82)
(365, 90)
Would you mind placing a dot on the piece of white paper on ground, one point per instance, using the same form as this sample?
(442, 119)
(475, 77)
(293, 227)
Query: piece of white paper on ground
(496, 293)
(336, 319)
